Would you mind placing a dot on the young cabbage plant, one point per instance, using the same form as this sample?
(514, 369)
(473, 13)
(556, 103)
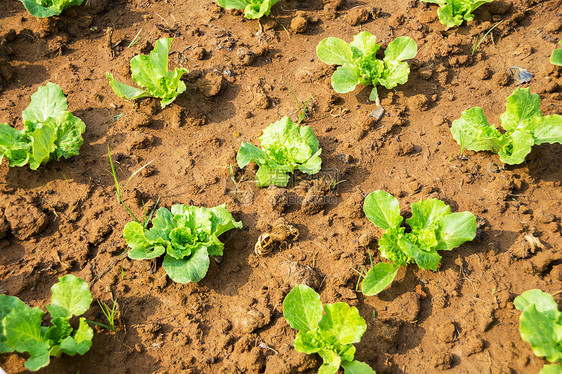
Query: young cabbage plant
(522, 121)
(186, 236)
(50, 131)
(151, 73)
(253, 9)
(556, 57)
(48, 8)
(454, 12)
(359, 64)
(21, 329)
(286, 146)
(330, 331)
(432, 227)
(540, 325)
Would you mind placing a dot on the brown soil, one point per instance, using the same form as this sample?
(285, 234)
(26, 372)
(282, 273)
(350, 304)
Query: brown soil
(64, 218)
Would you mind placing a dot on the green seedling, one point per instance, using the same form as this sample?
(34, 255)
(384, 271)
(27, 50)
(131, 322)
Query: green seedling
(186, 236)
(50, 131)
(540, 325)
(455, 12)
(110, 313)
(359, 64)
(253, 9)
(21, 329)
(478, 42)
(151, 72)
(432, 227)
(48, 8)
(146, 219)
(523, 125)
(556, 57)
(135, 40)
(286, 146)
(331, 331)
(301, 110)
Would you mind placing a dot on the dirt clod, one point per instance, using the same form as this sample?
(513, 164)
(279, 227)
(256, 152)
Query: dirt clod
(25, 219)
(357, 16)
(299, 24)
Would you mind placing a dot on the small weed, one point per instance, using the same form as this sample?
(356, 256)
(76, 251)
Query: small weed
(136, 39)
(301, 110)
(109, 313)
(478, 42)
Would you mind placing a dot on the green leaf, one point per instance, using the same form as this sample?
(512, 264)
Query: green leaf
(302, 308)
(222, 220)
(71, 297)
(345, 78)
(519, 146)
(547, 129)
(556, 57)
(331, 364)
(151, 72)
(48, 101)
(286, 146)
(42, 144)
(374, 95)
(426, 212)
(542, 333)
(191, 269)
(456, 228)
(258, 8)
(544, 303)
(366, 43)
(382, 209)
(22, 328)
(59, 330)
(424, 259)
(53, 8)
(69, 130)
(520, 110)
(342, 324)
(141, 248)
(395, 73)
(400, 49)
(473, 132)
(388, 245)
(81, 341)
(454, 12)
(232, 4)
(14, 146)
(250, 153)
(554, 368)
(356, 367)
(378, 278)
(334, 51)
(8, 304)
(125, 91)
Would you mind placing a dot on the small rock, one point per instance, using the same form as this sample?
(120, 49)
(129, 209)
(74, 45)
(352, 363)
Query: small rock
(313, 202)
(554, 25)
(474, 345)
(443, 360)
(520, 75)
(499, 7)
(502, 78)
(484, 73)
(278, 198)
(357, 16)
(299, 24)
(293, 273)
(249, 320)
(418, 102)
(425, 73)
(446, 333)
(25, 219)
(261, 100)
(212, 84)
(199, 53)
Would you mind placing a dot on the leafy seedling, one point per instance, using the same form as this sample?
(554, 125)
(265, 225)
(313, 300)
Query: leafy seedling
(48, 8)
(50, 131)
(186, 236)
(540, 325)
(455, 12)
(359, 64)
(556, 57)
(330, 334)
(432, 227)
(21, 329)
(522, 121)
(286, 146)
(151, 72)
(253, 9)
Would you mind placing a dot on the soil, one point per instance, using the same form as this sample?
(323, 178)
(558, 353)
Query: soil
(65, 218)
